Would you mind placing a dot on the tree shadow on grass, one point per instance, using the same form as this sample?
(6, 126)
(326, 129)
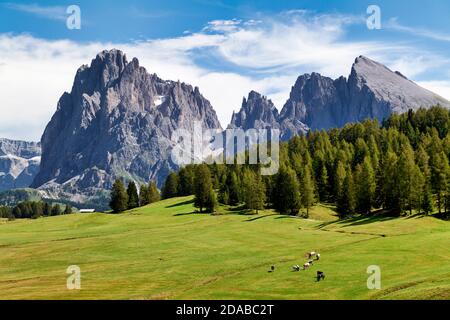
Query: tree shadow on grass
(180, 204)
(189, 213)
(261, 217)
(358, 221)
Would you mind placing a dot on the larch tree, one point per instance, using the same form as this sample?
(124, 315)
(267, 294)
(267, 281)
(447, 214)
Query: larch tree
(119, 197)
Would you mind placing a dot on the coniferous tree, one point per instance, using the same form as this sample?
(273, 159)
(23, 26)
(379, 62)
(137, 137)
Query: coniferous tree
(56, 210)
(254, 193)
(186, 181)
(203, 188)
(37, 210)
(307, 190)
(133, 197)
(153, 192)
(390, 183)
(143, 195)
(410, 180)
(68, 209)
(365, 186)
(211, 202)
(287, 192)
(170, 188)
(346, 201)
(439, 177)
(47, 210)
(119, 197)
(233, 188)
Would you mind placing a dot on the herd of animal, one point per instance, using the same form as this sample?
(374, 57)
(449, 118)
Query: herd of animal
(312, 256)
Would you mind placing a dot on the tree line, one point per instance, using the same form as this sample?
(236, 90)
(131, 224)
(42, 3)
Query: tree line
(126, 199)
(34, 210)
(400, 166)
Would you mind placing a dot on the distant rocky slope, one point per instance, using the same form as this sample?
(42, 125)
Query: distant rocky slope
(19, 163)
(116, 122)
(316, 102)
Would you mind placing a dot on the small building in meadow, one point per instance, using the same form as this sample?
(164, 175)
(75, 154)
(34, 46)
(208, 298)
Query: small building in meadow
(87, 210)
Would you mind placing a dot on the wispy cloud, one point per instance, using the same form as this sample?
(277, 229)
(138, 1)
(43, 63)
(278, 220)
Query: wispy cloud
(48, 12)
(393, 24)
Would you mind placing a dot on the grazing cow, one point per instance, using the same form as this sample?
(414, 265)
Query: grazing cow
(320, 275)
(311, 254)
(311, 262)
(296, 268)
(272, 268)
(318, 256)
(306, 266)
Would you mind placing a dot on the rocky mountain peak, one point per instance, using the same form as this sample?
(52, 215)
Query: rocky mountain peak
(371, 91)
(256, 112)
(116, 122)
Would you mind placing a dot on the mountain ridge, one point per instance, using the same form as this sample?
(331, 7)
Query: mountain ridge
(372, 91)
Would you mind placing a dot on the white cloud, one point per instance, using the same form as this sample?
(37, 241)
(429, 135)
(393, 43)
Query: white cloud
(395, 25)
(266, 55)
(49, 12)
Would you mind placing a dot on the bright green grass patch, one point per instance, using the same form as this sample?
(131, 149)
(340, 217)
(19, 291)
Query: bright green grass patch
(167, 251)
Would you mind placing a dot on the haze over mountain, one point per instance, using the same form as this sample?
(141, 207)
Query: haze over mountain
(372, 91)
(19, 163)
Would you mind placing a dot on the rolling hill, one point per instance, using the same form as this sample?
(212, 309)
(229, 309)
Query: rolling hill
(166, 251)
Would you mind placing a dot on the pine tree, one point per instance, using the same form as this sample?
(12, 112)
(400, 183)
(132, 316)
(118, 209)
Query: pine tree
(203, 187)
(233, 188)
(390, 187)
(119, 197)
(143, 195)
(37, 208)
(365, 186)
(346, 200)
(56, 210)
(253, 191)
(153, 192)
(186, 181)
(47, 210)
(410, 180)
(339, 178)
(68, 209)
(211, 202)
(287, 198)
(170, 188)
(307, 190)
(439, 177)
(133, 197)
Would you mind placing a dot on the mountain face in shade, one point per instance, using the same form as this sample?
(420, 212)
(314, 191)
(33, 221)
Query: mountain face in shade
(19, 163)
(256, 112)
(372, 91)
(116, 122)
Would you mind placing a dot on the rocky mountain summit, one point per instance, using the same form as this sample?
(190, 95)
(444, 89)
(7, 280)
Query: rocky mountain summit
(116, 122)
(256, 112)
(19, 163)
(372, 91)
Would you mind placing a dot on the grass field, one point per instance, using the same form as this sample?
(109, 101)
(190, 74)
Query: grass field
(165, 251)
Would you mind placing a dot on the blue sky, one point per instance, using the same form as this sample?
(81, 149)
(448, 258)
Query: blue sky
(227, 48)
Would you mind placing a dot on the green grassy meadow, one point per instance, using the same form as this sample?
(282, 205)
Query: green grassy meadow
(166, 251)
